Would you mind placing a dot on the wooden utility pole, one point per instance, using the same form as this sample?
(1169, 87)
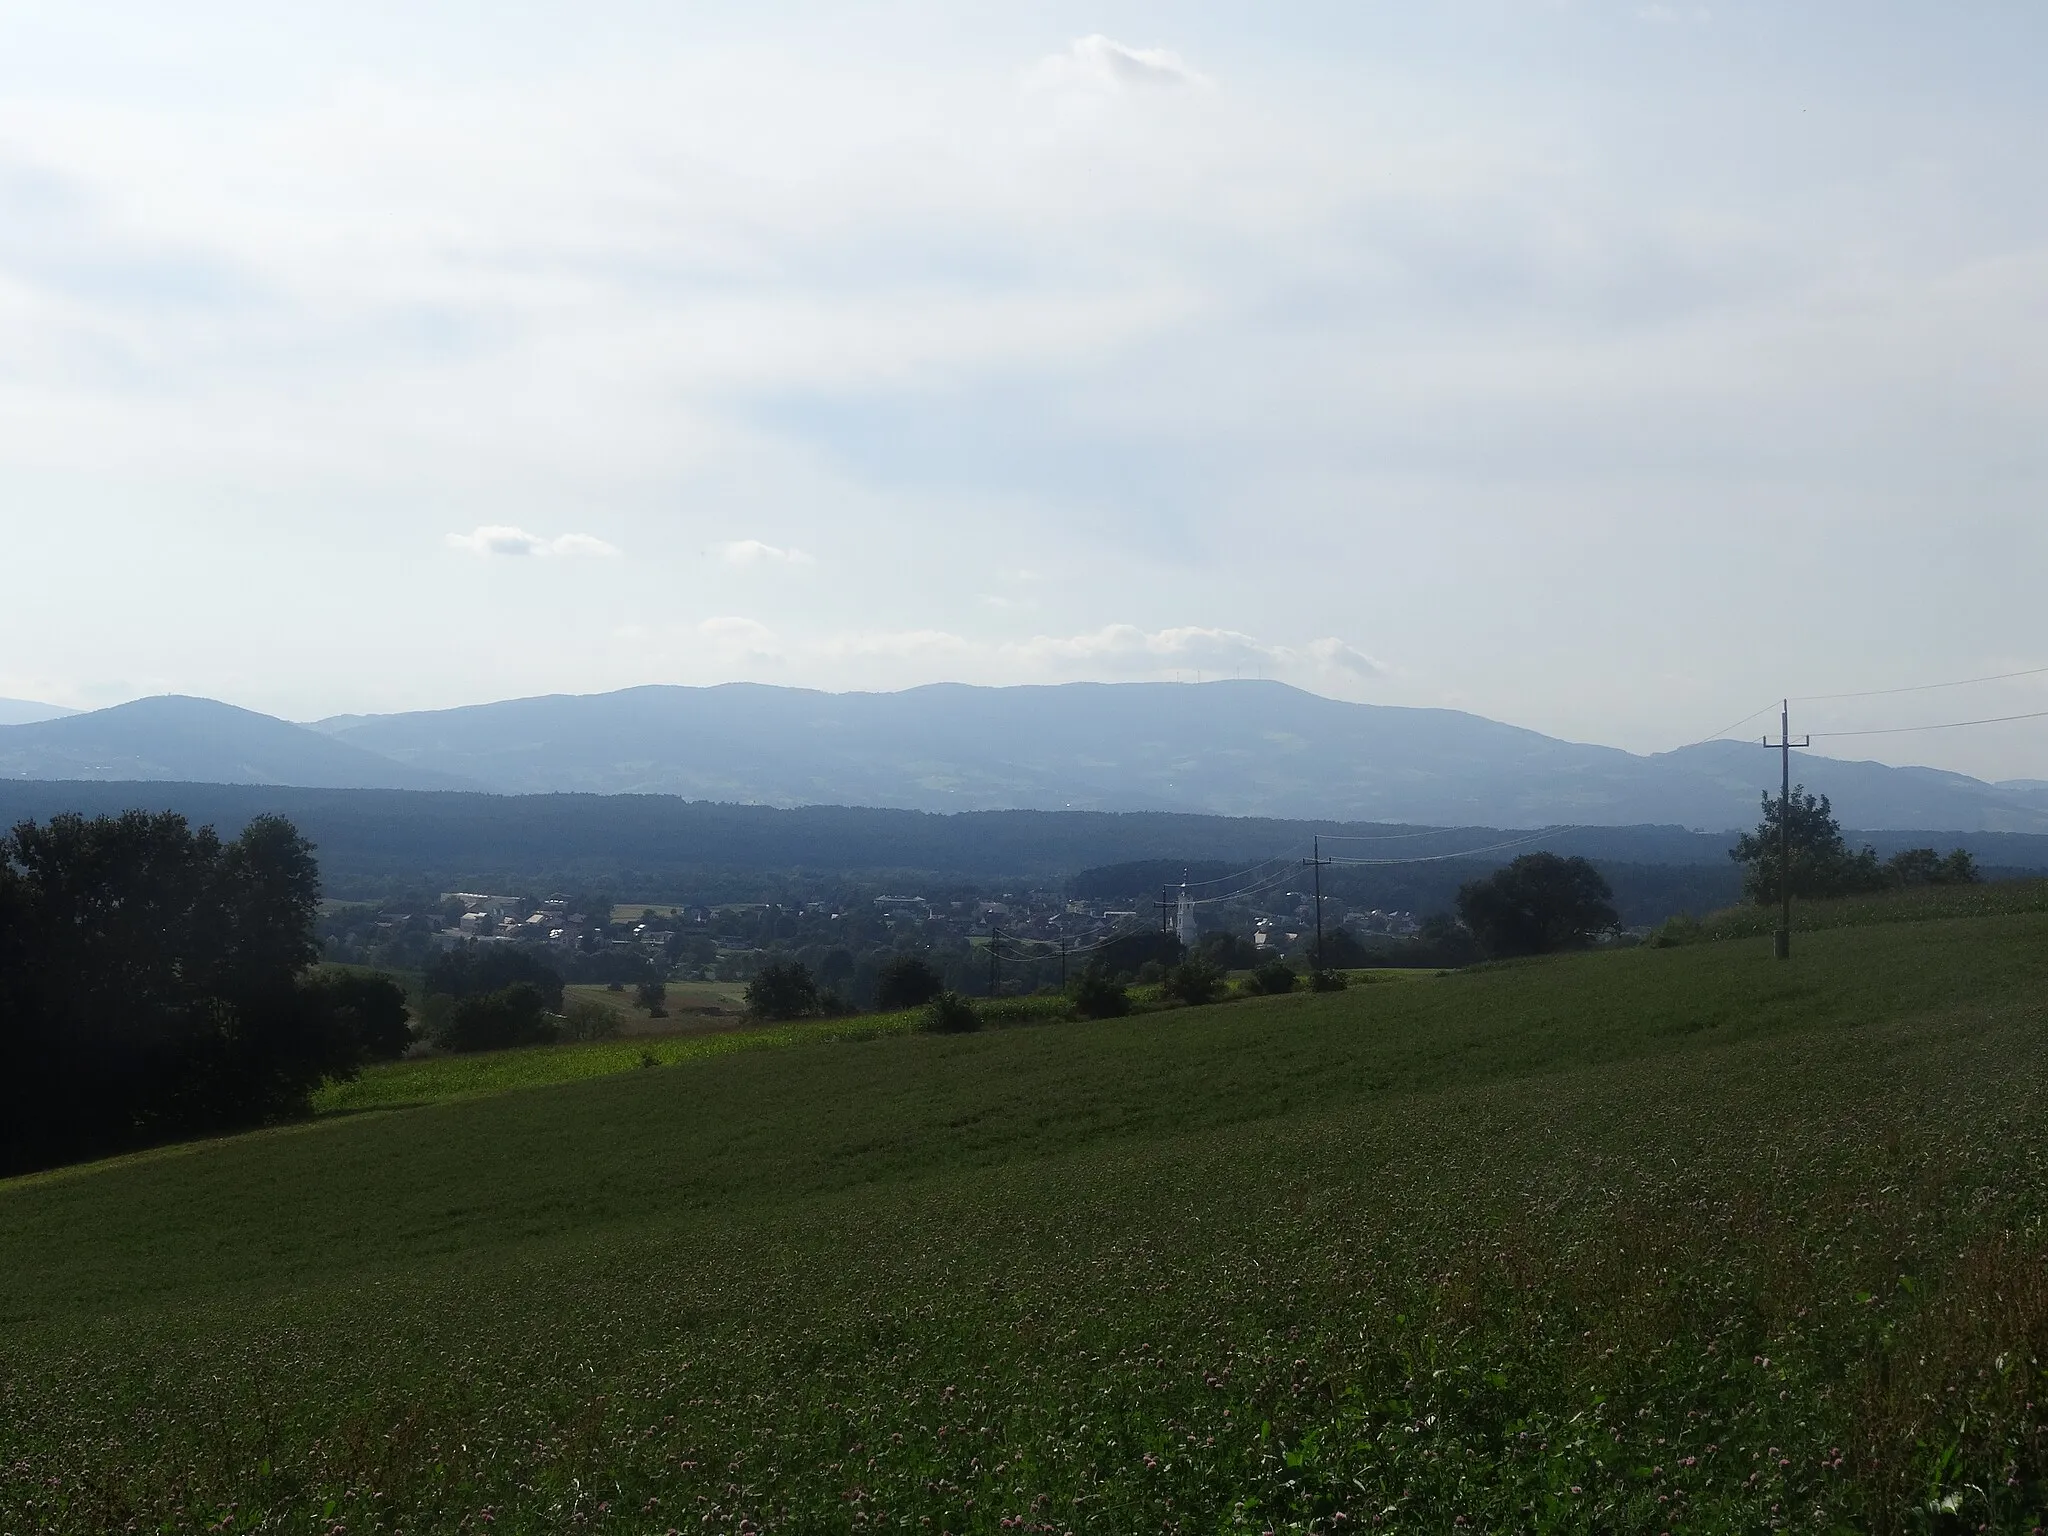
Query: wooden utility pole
(1318, 861)
(1785, 744)
(994, 933)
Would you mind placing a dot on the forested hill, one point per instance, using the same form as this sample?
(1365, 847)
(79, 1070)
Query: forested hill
(1223, 748)
(371, 840)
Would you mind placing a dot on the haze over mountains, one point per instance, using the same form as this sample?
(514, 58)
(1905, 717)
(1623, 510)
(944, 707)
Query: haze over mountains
(1227, 748)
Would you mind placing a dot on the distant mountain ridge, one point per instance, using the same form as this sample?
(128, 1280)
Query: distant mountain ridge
(172, 737)
(28, 711)
(1223, 748)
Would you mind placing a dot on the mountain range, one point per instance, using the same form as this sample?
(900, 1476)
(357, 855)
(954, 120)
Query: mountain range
(1237, 748)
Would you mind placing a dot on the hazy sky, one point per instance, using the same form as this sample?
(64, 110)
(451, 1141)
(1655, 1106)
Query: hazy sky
(1605, 368)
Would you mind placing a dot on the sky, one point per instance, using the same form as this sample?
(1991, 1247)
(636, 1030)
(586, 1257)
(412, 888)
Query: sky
(1608, 368)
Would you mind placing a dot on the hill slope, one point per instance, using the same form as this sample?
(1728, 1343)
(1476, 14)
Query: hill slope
(1615, 1242)
(1231, 748)
(200, 741)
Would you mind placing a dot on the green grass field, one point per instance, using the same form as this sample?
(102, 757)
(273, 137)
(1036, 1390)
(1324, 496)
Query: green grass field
(1651, 1240)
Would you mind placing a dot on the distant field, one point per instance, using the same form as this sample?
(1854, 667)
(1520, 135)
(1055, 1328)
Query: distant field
(1645, 1240)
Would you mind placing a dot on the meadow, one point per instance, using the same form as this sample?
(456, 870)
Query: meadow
(1647, 1240)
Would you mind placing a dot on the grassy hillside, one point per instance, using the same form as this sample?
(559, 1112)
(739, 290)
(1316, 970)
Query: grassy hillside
(1649, 1240)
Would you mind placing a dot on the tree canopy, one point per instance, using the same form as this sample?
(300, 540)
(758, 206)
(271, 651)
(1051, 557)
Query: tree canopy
(1538, 904)
(154, 983)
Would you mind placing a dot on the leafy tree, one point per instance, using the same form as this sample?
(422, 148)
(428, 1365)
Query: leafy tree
(1822, 864)
(1275, 976)
(836, 969)
(948, 1013)
(1343, 952)
(495, 1021)
(1099, 995)
(1923, 866)
(1193, 982)
(153, 984)
(1228, 951)
(370, 1011)
(587, 1019)
(470, 970)
(907, 981)
(651, 995)
(782, 990)
(1538, 904)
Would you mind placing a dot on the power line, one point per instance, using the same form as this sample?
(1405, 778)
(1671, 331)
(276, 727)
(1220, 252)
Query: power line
(1464, 853)
(1872, 693)
(1718, 735)
(1946, 725)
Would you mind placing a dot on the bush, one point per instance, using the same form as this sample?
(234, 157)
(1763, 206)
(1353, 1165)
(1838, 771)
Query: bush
(476, 969)
(1099, 995)
(1681, 928)
(587, 1020)
(784, 990)
(1150, 973)
(950, 1014)
(496, 1021)
(907, 981)
(152, 985)
(1273, 977)
(651, 995)
(1326, 981)
(1193, 982)
(1538, 904)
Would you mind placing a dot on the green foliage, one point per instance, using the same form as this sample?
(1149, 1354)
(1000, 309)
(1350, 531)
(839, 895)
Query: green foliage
(1193, 982)
(650, 995)
(1099, 995)
(1275, 976)
(907, 981)
(1227, 951)
(472, 969)
(1624, 1242)
(586, 1019)
(1909, 904)
(1923, 866)
(515, 1015)
(1681, 928)
(1539, 904)
(368, 1010)
(1822, 864)
(150, 985)
(950, 1014)
(1326, 981)
(782, 990)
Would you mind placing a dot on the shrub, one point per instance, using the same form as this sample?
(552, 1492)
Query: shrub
(651, 995)
(1326, 981)
(587, 1020)
(783, 990)
(907, 981)
(1099, 995)
(1681, 928)
(496, 1021)
(475, 969)
(1273, 977)
(1150, 972)
(1193, 982)
(950, 1014)
(1538, 904)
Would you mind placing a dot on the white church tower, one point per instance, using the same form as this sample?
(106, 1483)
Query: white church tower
(1185, 918)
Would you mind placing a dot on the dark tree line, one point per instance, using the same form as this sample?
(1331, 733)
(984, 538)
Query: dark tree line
(155, 983)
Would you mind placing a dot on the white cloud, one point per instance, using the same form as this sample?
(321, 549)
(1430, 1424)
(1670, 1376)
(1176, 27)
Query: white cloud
(898, 643)
(1104, 64)
(739, 639)
(1341, 656)
(494, 539)
(754, 552)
